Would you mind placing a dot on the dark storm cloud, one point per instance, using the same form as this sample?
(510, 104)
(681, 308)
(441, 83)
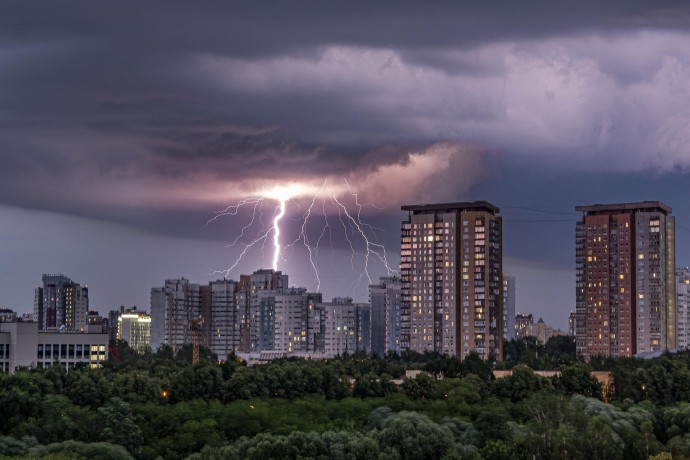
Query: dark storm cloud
(111, 110)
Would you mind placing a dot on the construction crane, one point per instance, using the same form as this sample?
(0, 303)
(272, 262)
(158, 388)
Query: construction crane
(194, 326)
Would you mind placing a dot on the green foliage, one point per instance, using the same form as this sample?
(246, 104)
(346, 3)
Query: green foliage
(155, 405)
(577, 379)
(80, 450)
(116, 423)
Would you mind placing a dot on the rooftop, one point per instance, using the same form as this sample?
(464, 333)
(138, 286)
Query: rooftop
(642, 206)
(459, 206)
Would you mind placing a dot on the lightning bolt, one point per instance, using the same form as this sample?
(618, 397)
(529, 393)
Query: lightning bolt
(357, 232)
(276, 232)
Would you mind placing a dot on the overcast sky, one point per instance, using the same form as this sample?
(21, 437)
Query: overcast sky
(124, 126)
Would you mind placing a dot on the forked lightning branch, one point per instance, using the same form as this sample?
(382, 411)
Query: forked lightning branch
(322, 213)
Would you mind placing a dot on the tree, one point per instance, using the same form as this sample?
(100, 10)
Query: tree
(420, 387)
(117, 426)
(577, 379)
(413, 436)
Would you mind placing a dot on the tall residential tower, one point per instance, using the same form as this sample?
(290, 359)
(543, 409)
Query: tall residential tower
(626, 286)
(451, 271)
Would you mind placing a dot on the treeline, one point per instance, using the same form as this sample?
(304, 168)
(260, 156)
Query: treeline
(159, 405)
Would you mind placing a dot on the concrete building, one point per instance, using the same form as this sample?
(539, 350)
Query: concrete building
(61, 303)
(224, 318)
(97, 322)
(572, 324)
(523, 321)
(346, 326)
(7, 315)
(508, 306)
(232, 316)
(23, 345)
(683, 307)
(292, 316)
(542, 331)
(172, 308)
(135, 328)
(625, 287)
(386, 308)
(451, 271)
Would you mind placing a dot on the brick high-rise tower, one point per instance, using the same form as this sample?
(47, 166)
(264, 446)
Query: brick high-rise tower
(625, 255)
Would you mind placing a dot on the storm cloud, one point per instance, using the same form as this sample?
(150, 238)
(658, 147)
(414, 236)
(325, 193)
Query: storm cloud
(125, 104)
(154, 115)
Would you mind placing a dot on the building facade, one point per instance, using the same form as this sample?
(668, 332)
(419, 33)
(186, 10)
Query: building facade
(7, 315)
(523, 322)
(228, 316)
(572, 324)
(385, 299)
(135, 328)
(22, 344)
(451, 271)
(682, 307)
(508, 306)
(542, 331)
(625, 287)
(60, 303)
(346, 326)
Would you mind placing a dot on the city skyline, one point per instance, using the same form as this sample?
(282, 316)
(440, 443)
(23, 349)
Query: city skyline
(118, 149)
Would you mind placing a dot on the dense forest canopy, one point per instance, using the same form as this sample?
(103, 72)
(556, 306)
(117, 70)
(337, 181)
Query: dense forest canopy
(159, 405)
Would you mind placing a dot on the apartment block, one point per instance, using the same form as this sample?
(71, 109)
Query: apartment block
(625, 286)
(451, 271)
(682, 307)
(346, 326)
(386, 308)
(135, 328)
(60, 303)
(508, 306)
(523, 324)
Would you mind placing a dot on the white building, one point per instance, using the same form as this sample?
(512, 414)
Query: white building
(291, 320)
(347, 326)
(683, 307)
(135, 329)
(23, 345)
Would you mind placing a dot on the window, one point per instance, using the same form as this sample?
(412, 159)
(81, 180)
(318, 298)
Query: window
(39, 355)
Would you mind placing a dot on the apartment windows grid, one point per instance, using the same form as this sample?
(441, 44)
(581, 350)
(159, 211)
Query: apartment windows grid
(625, 290)
(451, 279)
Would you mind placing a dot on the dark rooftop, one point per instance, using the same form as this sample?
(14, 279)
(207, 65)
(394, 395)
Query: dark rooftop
(641, 206)
(466, 206)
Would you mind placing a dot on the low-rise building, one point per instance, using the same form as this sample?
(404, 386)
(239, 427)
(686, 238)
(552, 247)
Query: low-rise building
(23, 345)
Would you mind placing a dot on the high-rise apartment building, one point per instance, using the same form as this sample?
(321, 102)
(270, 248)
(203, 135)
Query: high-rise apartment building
(523, 324)
(386, 306)
(61, 304)
(625, 290)
(229, 316)
(223, 317)
(682, 307)
(508, 306)
(135, 328)
(572, 324)
(451, 271)
(346, 326)
(291, 320)
(174, 308)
